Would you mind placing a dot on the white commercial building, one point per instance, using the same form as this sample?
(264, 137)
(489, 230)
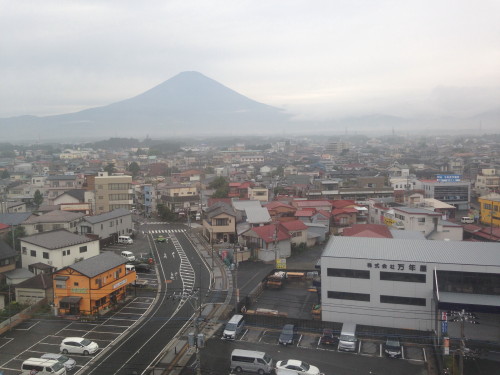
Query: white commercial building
(404, 283)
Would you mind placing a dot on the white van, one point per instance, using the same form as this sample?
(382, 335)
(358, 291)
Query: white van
(42, 366)
(348, 339)
(128, 255)
(251, 361)
(125, 239)
(467, 220)
(233, 327)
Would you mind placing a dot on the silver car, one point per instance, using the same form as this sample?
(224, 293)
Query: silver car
(69, 363)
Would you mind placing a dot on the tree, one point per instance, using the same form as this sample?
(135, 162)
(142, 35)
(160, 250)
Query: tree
(217, 183)
(165, 213)
(134, 169)
(38, 198)
(18, 233)
(110, 168)
(5, 174)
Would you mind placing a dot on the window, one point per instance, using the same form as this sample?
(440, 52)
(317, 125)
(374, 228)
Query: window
(403, 300)
(25, 251)
(102, 226)
(45, 255)
(349, 296)
(33, 253)
(405, 277)
(344, 272)
(75, 283)
(110, 223)
(221, 222)
(66, 252)
(61, 284)
(83, 249)
(421, 220)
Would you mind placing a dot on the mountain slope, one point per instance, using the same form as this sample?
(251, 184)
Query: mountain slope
(188, 103)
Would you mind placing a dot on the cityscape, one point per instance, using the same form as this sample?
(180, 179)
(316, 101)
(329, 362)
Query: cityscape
(241, 187)
(396, 235)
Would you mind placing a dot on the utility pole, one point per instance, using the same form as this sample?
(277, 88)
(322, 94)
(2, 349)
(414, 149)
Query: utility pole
(462, 317)
(197, 339)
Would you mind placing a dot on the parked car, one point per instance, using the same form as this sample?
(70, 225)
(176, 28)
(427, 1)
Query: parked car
(143, 268)
(328, 338)
(392, 348)
(161, 239)
(287, 335)
(69, 363)
(295, 367)
(78, 345)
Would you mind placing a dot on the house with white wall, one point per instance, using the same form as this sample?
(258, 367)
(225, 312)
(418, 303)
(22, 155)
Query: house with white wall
(57, 248)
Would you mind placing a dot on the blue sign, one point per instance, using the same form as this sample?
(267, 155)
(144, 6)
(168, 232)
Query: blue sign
(448, 177)
(444, 327)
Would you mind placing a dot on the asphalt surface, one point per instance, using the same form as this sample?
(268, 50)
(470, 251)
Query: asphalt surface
(179, 268)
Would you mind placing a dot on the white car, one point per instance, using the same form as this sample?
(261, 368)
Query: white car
(295, 367)
(78, 345)
(63, 360)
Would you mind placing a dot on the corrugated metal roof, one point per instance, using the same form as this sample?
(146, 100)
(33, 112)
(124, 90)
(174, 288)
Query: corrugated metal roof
(98, 264)
(257, 215)
(410, 250)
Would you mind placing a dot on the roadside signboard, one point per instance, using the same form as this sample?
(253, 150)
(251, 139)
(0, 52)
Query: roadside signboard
(281, 263)
(448, 177)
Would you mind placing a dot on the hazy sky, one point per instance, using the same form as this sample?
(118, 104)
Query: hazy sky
(315, 58)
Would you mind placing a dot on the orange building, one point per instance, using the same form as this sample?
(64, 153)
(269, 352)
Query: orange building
(91, 285)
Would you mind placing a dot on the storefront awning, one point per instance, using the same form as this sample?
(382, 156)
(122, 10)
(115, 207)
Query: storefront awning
(71, 299)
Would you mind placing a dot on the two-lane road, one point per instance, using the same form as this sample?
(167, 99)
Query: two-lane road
(180, 272)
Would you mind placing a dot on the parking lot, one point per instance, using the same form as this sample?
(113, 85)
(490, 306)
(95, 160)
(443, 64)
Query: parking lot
(27, 339)
(307, 340)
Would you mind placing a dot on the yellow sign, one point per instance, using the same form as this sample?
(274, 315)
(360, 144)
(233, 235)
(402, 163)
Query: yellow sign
(281, 263)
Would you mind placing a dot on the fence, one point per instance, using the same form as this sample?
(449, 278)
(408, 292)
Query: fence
(20, 317)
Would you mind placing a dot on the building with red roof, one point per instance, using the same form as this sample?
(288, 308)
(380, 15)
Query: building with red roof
(268, 242)
(368, 230)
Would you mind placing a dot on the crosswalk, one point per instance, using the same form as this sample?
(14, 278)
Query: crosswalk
(162, 231)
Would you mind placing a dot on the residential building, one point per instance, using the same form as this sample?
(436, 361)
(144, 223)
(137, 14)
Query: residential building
(51, 221)
(113, 192)
(92, 285)
(258, 193)
(490, 209)
(58, 184)
(77, 200)
(57, 248)
(407, 282)
(7, 260)
(430, 223)
(109, 225)
(219, 223)
(180, 198)
(268, 242)
(487, 182)
(35, 289)
(298, 232)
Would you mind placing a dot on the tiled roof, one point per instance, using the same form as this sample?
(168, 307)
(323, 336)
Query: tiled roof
(347, 210)
(41, 281)
(268, 232)
(306, 213)
(275, 204)
(294, 225)
(107, 216)
(98, 264)
(54, 217)
(368, 230)
(309, 203)
(56, 239)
